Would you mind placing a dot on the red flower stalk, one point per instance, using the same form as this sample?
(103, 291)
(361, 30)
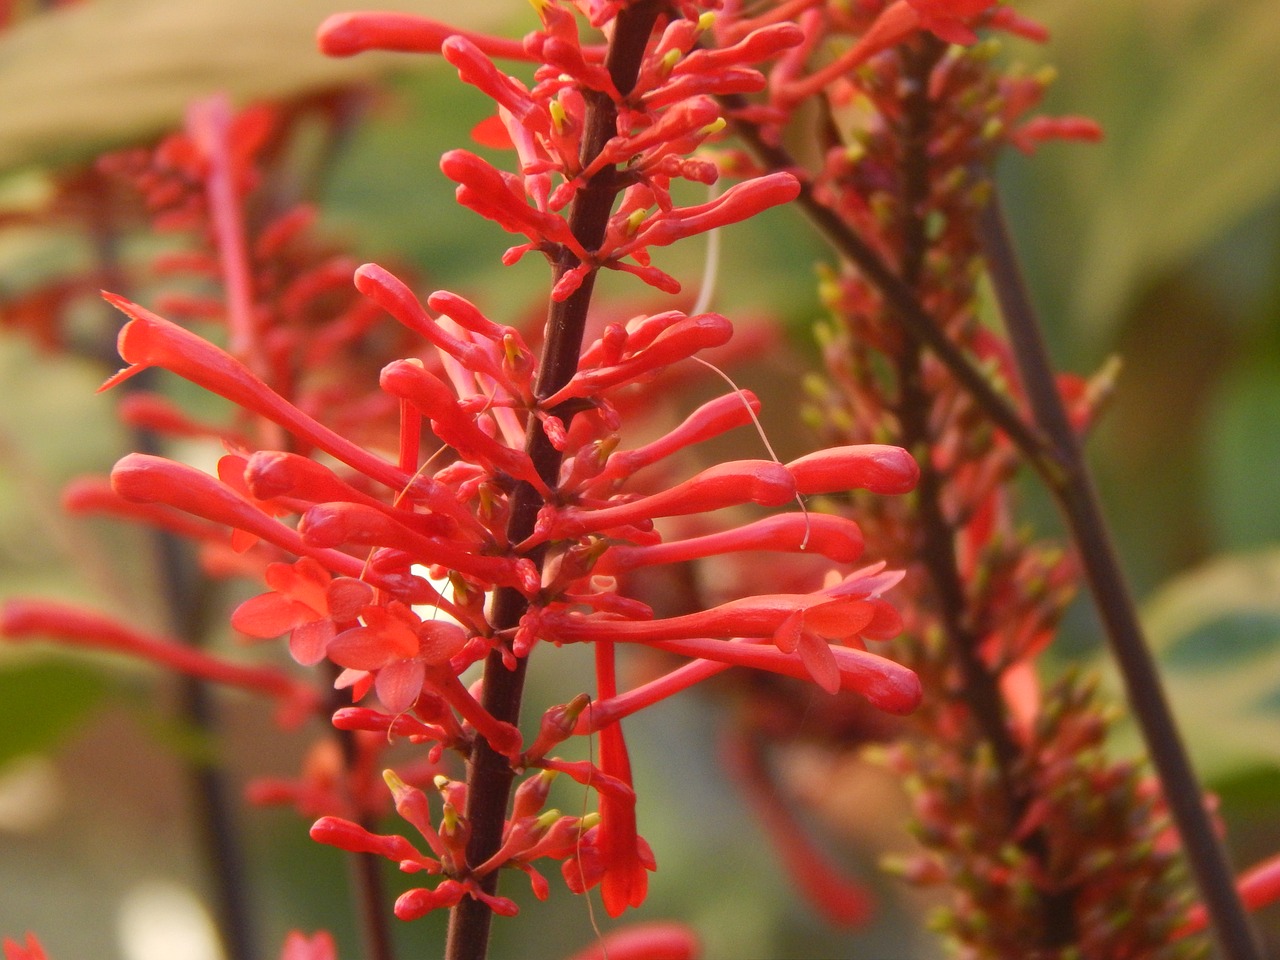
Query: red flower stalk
(30, 619)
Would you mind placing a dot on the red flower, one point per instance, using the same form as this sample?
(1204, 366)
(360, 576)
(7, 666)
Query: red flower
(31, 950)
(654, 940)
(318, 946)
(305, 603)
(951, 20)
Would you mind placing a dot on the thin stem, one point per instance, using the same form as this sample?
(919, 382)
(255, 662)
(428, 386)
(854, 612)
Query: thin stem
(937, 552)
(915, 319)
(185, 596)
(489, 774)
(209, 124)
(1080, 505)
(368, 889)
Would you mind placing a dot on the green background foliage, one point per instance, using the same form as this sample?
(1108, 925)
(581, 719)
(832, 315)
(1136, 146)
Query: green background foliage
(1161, 245)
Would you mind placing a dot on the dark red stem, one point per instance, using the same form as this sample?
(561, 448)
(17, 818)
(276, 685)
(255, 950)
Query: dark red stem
(1078, 499)
(489, 774)
(937, 548)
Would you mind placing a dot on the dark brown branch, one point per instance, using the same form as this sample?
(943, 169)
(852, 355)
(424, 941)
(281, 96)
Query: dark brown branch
(1079, 502)
(490, 776)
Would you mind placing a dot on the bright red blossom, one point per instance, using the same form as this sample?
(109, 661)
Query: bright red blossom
(402, 572)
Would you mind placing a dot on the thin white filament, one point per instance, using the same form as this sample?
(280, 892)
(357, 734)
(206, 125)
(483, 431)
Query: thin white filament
(710, 276)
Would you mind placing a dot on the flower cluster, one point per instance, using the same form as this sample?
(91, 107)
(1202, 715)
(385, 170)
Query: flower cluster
(370, 564)
(667, 111)
(1020, 813)
(503, 519)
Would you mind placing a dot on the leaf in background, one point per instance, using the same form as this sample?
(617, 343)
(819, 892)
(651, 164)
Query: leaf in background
(95, 74)
(1243, 454)
(1186, 91)
(41, 703)
(1216, 632)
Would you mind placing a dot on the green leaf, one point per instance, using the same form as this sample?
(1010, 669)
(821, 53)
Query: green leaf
(1216, 633)
(97, 74)
(1186, 92)
(1242, 450)
(42, 703)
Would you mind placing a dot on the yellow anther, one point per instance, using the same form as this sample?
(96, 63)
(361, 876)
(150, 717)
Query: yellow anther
(558, 115)
(715, 126)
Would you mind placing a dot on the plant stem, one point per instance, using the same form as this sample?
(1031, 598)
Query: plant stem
(368, 891)
(185, 597)
(489, 773)
(979, 685)
(900, 297)
(1080, 505)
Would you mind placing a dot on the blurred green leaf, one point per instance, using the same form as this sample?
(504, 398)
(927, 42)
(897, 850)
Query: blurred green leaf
(41, 703)
(1216, 631)
(95, 74)
(1186, 92)
(1242, 453)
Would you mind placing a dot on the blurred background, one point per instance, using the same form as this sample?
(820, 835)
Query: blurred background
(1160, 246)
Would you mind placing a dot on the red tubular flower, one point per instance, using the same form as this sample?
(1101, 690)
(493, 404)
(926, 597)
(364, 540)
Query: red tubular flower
(418, 902)
(409, 380)
(31, 619)
(655, 940)
(1038, 130)
(949, 20)
(1259, 886)
(626, 879)
(29, 950)
(147, 479)
(151, 341)
(836, 538)
(869, 466)
(96, 495)
(710, 420)
(336, 832)
(799, 625)
(335, 524)
(740, 202)
(318, 946)
(679, 341)
(390, 293)
(887, 685)
(149, 411)
(346, 34)
(724, 485)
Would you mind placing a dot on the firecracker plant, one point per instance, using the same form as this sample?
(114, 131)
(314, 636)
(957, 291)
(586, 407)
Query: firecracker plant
(423, 491)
